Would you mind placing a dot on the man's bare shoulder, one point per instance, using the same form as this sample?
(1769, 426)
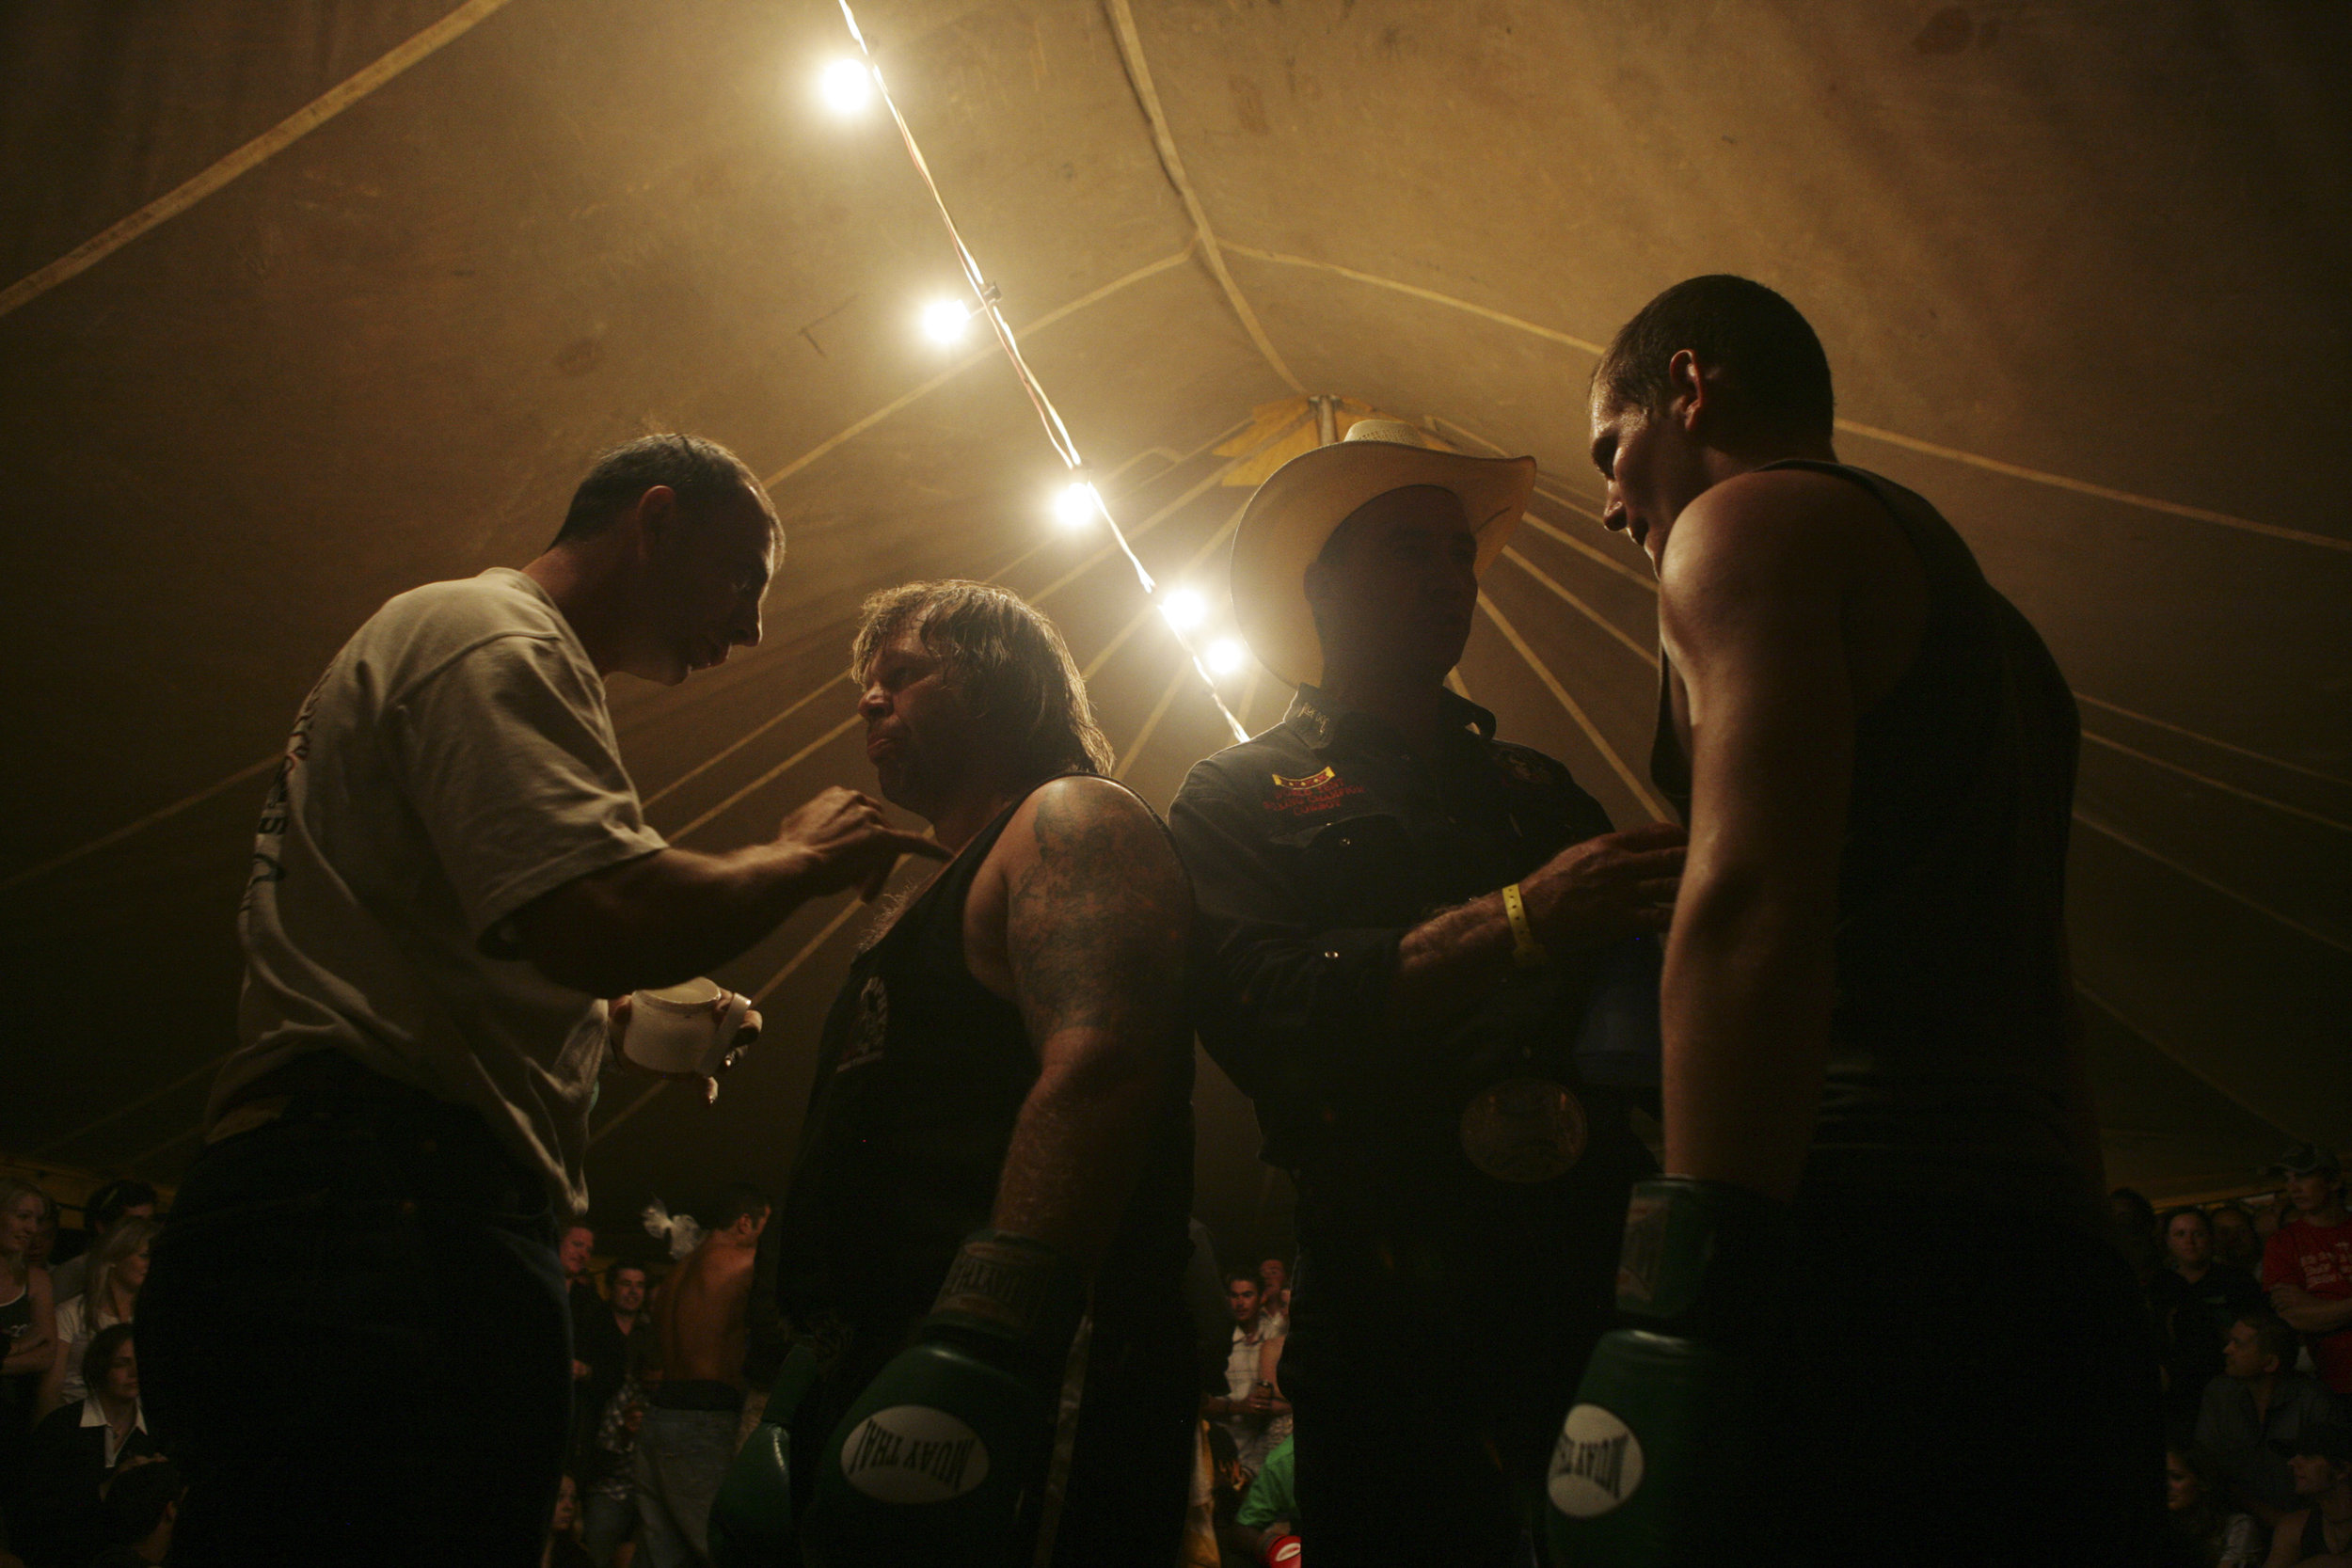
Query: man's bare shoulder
(1089, 825)
(1770, 522)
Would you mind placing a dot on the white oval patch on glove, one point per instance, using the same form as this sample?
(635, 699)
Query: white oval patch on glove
(1596, 1464)
(912, 1453)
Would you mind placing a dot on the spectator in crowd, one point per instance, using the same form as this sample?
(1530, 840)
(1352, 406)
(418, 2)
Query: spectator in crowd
(1250, 1403)
(609, 1510)
(2260, 1400)
(117, 1267)
(1228, 1482)
(2320, 1528)
(2307, 1263)
(562, 1548)
(2235, 1239)
(691, 1433)
(142, 1502)
(28, 1321)
(1270, 1510)
(603, 1333)
(54, 1519)
(42, 1251)
(573, 1249)
(2194, 1301)
(2136, 1230)
(105, 1209)
(1274, 1295)
(2207, 1532)
(2223, 1288)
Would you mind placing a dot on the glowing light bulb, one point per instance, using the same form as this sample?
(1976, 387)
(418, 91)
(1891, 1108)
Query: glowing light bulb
(847, 85)
(1184, 609)
(943, 321)
(1227, 655)
(1076, 505)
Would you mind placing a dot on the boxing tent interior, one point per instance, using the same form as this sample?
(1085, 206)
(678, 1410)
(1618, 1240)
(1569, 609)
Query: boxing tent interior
(306, 303)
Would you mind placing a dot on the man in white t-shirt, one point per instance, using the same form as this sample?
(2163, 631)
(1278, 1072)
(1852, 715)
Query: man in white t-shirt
(1251, 1406)
(356, 1327)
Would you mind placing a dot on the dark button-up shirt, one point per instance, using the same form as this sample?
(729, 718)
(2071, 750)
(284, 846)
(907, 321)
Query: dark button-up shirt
(1313, 848)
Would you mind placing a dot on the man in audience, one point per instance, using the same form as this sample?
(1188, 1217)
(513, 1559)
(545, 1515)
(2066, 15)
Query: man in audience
(1403, 920)
(1001, 1114)
(451, 869)
(55, 1517)
(2307, 1264)
(105, 1209)
(2225, 1291)
(690, 1433)
(1874, 1079)
(602, 1330)
(1250, 1405)
(1273, 1294)
(2259, 1401)
(2234, 1240)
(2319, 1532)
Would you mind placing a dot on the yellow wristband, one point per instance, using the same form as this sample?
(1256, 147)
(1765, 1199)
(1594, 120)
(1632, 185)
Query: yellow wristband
(1526, 951)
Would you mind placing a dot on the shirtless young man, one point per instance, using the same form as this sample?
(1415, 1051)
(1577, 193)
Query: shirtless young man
(998, 1140)
(690, 1433)
(1873, 1078)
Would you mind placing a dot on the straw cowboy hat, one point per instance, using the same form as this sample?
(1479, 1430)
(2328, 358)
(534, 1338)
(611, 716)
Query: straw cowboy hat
(1296, 512)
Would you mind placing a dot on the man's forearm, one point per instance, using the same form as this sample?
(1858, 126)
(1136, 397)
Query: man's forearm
(2310, 1314)
(1744, 1009)
(663, 918)
(1080, 1143)
(1448, 961)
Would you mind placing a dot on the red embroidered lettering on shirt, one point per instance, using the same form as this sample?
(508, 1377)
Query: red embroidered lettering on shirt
(1315, 792)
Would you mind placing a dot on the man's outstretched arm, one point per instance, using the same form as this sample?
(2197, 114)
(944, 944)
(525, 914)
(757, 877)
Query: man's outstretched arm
(1752, 603)
(1097, 912)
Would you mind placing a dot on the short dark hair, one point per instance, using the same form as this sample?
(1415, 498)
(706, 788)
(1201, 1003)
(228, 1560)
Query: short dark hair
(2273, 1333)
(1005, 657)
(110, 1202)
(702, 473)
(1241, 1276)
(101, 1354)
(1772, 361)
(2164, 1221)
(612, 1270)
(740, 1200)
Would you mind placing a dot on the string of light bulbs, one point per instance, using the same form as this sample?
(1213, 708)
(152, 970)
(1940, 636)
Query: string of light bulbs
(847, 85)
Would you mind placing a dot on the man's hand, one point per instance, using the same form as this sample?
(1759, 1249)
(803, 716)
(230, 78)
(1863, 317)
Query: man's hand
(616, 1016)
(1606, 888)
(842, 840)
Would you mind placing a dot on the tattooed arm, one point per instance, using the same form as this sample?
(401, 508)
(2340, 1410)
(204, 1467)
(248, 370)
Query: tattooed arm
(1080, 918)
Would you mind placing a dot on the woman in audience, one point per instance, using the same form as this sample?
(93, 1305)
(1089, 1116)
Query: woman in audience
(28, 1322)
(117, 1267)
(2209, 1532)
(54, 1518)
(563, 1549)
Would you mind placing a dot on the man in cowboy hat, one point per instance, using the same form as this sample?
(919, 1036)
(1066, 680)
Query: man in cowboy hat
(1400, 920)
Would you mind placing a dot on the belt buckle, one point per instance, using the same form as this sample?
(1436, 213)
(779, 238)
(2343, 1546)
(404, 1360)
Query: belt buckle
(1524, 1130)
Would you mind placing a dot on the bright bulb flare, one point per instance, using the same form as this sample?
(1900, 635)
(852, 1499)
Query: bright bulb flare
(1184, 609)
(1226, 656)
(848, 86)
(943, 321)
(1076, 505)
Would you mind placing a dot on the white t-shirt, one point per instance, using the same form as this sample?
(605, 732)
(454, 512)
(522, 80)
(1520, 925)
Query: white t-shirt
(455, 762)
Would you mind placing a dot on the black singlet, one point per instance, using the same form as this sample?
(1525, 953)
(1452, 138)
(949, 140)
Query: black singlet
(1952, 1061)
(920, 1073)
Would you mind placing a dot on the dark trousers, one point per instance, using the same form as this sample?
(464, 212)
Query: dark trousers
(353, 1338)
(1434, 1348)
(1955, 1384)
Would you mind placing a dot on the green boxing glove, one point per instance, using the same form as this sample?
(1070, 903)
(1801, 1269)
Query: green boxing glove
(1646, 1469)
(751, 1518)
(943, 1458)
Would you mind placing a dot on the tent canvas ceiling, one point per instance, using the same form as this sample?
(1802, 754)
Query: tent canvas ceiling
(313, 302)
